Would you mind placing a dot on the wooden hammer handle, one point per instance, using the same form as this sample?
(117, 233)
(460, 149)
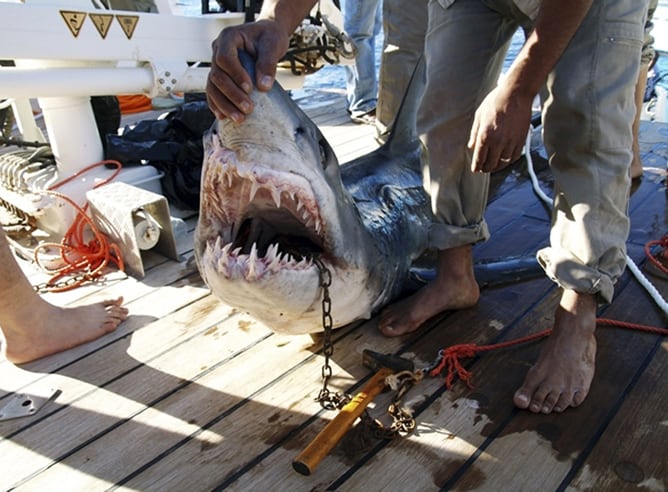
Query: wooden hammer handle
(329, 437)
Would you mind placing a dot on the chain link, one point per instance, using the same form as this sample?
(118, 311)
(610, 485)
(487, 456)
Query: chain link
(327, 399)
(68, 282)
(439, 358)
(402, 418)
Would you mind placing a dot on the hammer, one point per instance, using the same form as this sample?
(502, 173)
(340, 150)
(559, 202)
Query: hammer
(327, 438)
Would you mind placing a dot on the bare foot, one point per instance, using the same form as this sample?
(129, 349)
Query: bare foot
(454, 288)
(50, 329)
(565, 368)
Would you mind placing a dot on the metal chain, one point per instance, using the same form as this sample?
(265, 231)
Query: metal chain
(437, 362)
(402, 418)
(327, 399)
(68, 282)
(403, 422)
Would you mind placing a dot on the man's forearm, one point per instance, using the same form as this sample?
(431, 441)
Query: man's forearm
(555, 26)
(288, 13)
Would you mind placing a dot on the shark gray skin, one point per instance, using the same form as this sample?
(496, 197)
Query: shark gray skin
(274, 197)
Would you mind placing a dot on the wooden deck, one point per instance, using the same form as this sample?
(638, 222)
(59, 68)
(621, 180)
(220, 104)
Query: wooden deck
(189, 394)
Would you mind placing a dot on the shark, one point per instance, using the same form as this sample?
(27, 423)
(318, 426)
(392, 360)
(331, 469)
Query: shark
(278, 211)
(291, 236)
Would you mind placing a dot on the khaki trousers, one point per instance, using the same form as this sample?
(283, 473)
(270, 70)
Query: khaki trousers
(587, 119)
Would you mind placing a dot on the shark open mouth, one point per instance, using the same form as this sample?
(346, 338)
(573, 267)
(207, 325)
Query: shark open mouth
(262, 221)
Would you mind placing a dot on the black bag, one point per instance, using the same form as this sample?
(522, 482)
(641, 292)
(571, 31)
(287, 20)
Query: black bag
(173, 145)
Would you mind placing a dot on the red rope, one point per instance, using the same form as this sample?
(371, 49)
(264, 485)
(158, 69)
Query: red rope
(83, 260)
(660, 262)
(452, 356)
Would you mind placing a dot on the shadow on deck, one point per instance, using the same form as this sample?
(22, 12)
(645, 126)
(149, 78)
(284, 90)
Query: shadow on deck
(189, 394)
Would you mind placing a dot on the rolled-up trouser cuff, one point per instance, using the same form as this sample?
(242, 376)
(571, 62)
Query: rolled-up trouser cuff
(572, 275)
(443, 236)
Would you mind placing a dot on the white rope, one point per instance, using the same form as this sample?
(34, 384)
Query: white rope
(651, 290)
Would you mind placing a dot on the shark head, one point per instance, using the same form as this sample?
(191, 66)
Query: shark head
(276, 221)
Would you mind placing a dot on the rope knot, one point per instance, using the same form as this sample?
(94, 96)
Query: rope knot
(451, 360)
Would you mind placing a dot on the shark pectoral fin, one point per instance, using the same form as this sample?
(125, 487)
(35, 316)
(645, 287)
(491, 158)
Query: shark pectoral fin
(487, 273)
(507, 270)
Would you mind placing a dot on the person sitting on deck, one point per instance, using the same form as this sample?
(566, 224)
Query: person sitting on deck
(474, 126)
(33, 328)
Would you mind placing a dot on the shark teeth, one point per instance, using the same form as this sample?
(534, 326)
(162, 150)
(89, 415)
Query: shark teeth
(276, 195)
(233, 264)
(254, 214)
(254, 187)
(233, 187)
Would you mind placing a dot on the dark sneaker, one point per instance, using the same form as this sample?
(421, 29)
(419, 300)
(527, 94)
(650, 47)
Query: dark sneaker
(368, 118)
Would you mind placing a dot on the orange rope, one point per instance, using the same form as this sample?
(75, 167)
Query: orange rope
(84, 261)
(451, 357)
(134, 103)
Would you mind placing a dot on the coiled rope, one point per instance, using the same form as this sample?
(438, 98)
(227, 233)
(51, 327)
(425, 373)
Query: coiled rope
(83, 260)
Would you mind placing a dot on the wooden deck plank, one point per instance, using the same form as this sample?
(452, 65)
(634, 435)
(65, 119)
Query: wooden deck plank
(465, 326)
(147, 300)
(631, 453)
(555, 444)
(189, 388)
(159, 403)
(271, 417)
(84, 409)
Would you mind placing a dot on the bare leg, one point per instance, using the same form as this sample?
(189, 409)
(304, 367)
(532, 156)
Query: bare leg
(34, 328)
(565, 368)
(453, 288)
(636, 163)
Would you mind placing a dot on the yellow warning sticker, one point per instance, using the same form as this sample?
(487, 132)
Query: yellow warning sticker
(102, 23)
(128, 24)
(74, 20)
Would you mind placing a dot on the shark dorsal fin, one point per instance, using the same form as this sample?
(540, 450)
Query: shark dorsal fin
(404, 128)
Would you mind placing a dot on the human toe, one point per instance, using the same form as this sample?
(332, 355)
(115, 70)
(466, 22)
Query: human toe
(525, 396)
(538, 401)
(565, 400)
(390, 330)
(578, 397)
(522, 399)
(388, 324)
(550, 401)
